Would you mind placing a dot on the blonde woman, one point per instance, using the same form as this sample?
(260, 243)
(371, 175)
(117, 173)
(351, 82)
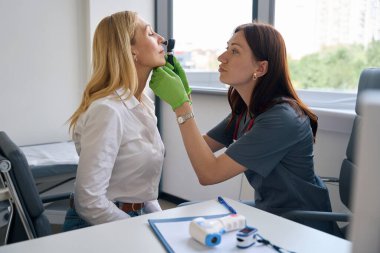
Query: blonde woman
(115, 128)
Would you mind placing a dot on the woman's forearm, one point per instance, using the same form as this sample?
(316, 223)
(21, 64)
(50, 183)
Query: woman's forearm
(202, 158)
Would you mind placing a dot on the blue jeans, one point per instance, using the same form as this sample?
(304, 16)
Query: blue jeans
(74, 221)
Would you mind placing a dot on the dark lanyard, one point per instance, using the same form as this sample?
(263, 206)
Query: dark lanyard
(236, 130)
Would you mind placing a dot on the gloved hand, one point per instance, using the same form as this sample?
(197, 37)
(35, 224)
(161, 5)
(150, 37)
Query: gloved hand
(177, 68)
(168, 86)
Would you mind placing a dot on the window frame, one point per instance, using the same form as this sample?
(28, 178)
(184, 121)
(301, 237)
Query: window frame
(263, 10)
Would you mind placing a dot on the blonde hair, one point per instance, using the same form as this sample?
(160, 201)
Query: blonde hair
(112, 61)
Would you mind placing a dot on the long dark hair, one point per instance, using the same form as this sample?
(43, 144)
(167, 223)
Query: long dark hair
(275, 86)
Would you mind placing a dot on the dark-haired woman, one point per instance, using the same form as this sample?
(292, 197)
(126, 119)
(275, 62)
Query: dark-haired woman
(269, 133)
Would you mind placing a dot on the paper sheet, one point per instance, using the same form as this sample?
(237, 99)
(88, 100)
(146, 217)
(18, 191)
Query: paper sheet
(176, 234)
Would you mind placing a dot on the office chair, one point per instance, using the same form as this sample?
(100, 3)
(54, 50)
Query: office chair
(369, 79)
(26, 210)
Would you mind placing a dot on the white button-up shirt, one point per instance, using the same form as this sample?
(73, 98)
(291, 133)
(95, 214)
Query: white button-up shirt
(120, 157)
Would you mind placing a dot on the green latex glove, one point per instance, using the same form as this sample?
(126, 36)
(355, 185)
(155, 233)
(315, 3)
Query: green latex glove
(177, 68)
(168, 86)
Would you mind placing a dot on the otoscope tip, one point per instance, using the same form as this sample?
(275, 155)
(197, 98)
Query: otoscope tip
(165, 42)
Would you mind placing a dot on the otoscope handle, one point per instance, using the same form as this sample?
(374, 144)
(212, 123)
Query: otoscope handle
(170, 59)
(170, 45)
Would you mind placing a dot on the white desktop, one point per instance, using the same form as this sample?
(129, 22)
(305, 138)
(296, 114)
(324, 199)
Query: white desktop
(365, 232)
(135, 234)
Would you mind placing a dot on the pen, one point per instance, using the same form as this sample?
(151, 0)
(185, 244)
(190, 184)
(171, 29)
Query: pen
(226, 205)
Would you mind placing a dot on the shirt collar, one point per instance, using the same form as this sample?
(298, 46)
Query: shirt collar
(132, 102)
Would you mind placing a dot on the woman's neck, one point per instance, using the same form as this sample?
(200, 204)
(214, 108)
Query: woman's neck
(142, 77)
(245, 92)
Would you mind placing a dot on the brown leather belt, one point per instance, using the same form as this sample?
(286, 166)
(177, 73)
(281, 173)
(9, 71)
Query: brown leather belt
(126, 207)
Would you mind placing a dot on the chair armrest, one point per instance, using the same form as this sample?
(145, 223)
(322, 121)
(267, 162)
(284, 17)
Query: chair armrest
(330, 179)
(315, 215)
(55, 197)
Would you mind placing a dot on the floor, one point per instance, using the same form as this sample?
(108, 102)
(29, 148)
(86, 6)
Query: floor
(166, 204)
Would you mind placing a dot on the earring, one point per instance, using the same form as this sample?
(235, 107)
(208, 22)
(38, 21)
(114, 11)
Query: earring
(254, 76)
(135, 58)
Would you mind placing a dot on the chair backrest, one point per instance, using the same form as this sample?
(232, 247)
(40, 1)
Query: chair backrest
(369, 79)
(27, 193)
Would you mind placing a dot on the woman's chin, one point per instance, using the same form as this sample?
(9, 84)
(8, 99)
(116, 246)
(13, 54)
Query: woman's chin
(221, 79)
(224, 81)
(161, 63)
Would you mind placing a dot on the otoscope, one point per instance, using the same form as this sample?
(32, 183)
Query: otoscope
(170, 45)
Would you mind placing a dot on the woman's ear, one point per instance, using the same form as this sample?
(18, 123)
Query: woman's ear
(262, 69)
(134, 50)
(134, 55)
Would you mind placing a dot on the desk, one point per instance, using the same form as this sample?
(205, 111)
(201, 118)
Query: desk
(135, 234)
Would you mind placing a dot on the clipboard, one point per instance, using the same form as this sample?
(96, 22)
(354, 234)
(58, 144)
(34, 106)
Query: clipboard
(174, 235)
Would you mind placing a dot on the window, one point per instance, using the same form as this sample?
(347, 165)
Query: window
(329, 42)
(201, 29)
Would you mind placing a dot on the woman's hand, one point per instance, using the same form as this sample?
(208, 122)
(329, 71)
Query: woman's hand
(177, 68)
(168, 86)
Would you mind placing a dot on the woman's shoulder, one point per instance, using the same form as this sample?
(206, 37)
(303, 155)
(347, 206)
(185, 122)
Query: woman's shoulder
(100, 112)
(285, 112)
(280, 109)
(102, 102)
(107, 105)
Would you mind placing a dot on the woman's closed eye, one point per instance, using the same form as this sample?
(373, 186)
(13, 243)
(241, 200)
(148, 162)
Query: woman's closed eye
(150, 31)
(233, 50)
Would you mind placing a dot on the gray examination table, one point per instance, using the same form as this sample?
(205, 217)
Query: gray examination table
(52, 164)
(53, 167)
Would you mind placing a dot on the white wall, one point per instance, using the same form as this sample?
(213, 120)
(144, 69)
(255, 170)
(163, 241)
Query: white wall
(330, 148)
(44, 62)
(101, 8)
(178, 178)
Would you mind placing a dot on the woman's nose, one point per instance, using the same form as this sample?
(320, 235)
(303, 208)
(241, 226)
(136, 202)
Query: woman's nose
(161, 40)
(222, 58)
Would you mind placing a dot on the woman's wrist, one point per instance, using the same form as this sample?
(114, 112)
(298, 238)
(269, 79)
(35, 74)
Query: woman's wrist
(185, 108)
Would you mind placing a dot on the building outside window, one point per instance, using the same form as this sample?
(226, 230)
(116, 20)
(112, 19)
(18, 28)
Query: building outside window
(201, 29)
(328, 42)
